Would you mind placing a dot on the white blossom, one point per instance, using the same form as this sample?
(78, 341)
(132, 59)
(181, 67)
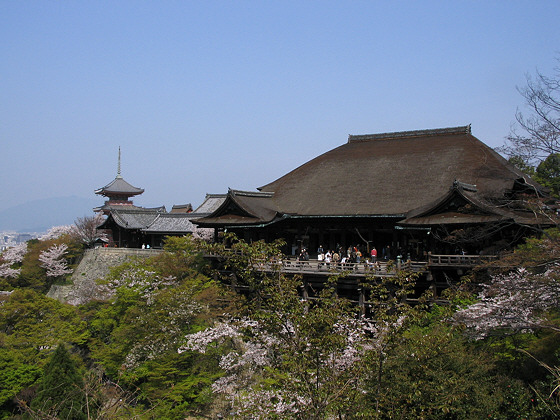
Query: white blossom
(11, 256)
(15, 253)
(252, 350)
(7, 271)
(56, 232)
(205, 234)
(147, 282)
(516, 301)
(53, 261)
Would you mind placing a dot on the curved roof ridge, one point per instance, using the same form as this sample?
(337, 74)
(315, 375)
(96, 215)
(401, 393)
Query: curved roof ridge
(465, 129)
(119, 185)
(264, 194)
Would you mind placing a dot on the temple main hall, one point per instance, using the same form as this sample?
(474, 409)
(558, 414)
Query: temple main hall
(409, 193)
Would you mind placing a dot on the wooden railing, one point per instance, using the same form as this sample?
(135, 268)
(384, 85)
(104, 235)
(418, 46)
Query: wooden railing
(126, 251)
(321, 266)
(459, 260)
(382, 268)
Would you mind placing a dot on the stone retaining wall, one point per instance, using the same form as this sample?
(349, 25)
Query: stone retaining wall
(95, 264)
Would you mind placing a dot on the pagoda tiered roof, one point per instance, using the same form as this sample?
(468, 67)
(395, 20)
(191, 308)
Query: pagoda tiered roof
(120, 187)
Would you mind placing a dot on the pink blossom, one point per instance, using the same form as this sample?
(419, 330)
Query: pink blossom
(252, 352)
(11, 256)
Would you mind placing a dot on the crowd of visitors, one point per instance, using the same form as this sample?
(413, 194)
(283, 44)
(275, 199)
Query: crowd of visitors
(353, 254)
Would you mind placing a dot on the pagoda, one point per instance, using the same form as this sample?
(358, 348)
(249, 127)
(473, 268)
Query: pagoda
(118, 193)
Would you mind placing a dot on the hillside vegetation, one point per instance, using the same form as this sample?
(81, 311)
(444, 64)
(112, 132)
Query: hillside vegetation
(171, 340)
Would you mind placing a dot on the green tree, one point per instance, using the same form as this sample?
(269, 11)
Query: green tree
(292, 357)
(15, 376)
(135, 336)
(33, 274)
(522, 165)
(548, 173)
(61, 390)
(31, 324)
(433, 373)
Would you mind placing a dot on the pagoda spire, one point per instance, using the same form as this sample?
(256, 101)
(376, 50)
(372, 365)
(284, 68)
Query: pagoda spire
(119, 165)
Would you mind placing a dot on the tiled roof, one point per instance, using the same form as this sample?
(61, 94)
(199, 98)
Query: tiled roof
(119, 186)
(210, 204)
(137, 218)
(154, 220)
(181, 208)
(170, 223)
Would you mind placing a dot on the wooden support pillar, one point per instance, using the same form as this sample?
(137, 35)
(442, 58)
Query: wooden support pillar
(361, 300)
(432, 284)
(305, 290)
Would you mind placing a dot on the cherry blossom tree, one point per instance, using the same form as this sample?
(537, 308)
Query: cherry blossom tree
(156, 309)
(15, 253)
(56, 232)
(53, 261)
(205, 234)
(293, 357)
(11, 256)
(522, 292)
(8, 272)
(285, 368)
(540, 126)
(86, 229)
(512, 302)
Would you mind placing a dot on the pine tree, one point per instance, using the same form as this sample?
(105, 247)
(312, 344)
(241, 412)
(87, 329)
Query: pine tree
(60, 394)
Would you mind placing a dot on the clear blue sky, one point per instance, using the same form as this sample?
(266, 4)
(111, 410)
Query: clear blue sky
(206, 95)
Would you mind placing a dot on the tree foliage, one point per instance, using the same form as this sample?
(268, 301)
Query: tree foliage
(135, 336)
(86, 229)
(31, 325)
(61, 391)
(286, 357)
(174, 340)
(548, 173)
(433, 373)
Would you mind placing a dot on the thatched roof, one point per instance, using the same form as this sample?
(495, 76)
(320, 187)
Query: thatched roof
(386, 174)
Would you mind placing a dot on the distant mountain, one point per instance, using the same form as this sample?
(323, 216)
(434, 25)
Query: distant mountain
(40, 215)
